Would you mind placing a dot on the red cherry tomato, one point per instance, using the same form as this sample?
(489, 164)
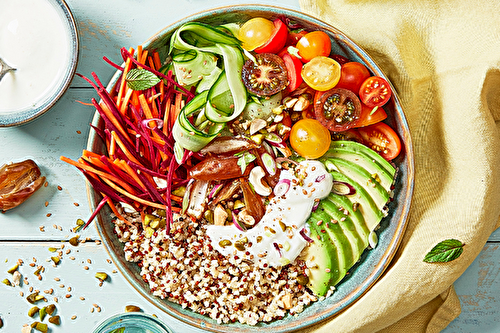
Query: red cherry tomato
(277, 40)
(340, 59)
(367, 118)
(375, 91)
(381, 138)
(293, 37)
(352, 75)
(294, 68)
(313, 44)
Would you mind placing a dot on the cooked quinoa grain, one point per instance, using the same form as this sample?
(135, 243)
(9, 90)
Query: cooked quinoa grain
(184, 268)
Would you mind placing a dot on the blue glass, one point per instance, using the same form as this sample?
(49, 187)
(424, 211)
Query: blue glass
(133, 322)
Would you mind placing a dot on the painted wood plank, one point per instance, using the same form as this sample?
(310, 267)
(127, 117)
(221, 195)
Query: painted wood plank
(479, 292)
(111, 297)
(62, 131)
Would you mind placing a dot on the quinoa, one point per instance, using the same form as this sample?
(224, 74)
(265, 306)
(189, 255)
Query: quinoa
(182, 267)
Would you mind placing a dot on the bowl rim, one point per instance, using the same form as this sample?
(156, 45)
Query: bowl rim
(382, 265)
(29, 114)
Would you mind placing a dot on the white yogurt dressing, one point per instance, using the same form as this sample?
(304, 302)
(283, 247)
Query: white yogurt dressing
(292, 210)
(35, 40)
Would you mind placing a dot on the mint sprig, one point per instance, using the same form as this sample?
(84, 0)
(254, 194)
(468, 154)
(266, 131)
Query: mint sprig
(141, 79)
(445, 251)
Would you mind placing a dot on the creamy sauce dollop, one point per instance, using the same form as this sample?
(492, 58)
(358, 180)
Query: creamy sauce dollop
(35, 40)
(281, 225)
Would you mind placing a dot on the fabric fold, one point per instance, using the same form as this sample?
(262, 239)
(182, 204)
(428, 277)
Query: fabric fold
(443, 59)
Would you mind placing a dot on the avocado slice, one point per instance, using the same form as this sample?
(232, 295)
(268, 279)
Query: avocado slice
(339, 219)
(364, 156)
(344, 204)
(371, 184)
(322, 252)
(337, 237)
(367, 207)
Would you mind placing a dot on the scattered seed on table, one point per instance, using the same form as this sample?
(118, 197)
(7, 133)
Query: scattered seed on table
(68, 295)
(56, 299)
(82, 298)
(57, 279)
(42, 228)
(69, 289)
(91, 310)
(31, 289)
(76, 204)
(46, 184)
(78, 132)
(68, 251)
(86, 268)
(46, 203)
(32, 264)
(109, 261)
(21, 294)
(59, 187)
(98, 242)
(61, 286)
(49, 214)
(89, 261)
(73, 317)
(72, 258)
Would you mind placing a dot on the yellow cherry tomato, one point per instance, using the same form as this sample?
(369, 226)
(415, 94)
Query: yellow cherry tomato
(309, 138)
(255, 32)
(321, 73)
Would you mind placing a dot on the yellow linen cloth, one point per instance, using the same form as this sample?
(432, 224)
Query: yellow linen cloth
(443, 57)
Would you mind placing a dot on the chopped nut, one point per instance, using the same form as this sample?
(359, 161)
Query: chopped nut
(287, 301)
(74, 240)
(56, 320)
(33, 311)
(16, 278)
(50, 309)
(13, 269)
(101, 276)
(7, 282)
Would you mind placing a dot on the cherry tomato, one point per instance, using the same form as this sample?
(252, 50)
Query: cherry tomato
(352, 75)
(368, 118)
(294, 68)
(337, 109)
(375, 91)
(255, 32)
(313, 44)
(340, 59)
(309, 138)
(381, 138)
(277, 40)
(294, 37)
(266, 76)
(321, 73)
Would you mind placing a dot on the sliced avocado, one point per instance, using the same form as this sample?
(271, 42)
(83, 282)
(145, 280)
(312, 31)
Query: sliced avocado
(367, 157)
(372, 186)
(346, 225)
(338, 238)
(345, 204)
(325, 271)
(367, 206)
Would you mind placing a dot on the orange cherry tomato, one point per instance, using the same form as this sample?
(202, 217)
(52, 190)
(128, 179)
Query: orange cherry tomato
(313, 44)
(309, 138)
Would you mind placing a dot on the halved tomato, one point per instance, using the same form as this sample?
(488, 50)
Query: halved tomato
(337, 109)
(367, 118)
(381, 138)
(277, 40)
(321, 73)
(294, 68)
(375, 91)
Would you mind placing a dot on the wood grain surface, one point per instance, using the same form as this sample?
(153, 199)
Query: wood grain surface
(47, 218)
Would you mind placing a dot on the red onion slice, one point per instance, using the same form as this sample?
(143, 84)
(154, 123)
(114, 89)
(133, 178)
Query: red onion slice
(302, 232)
(214, 190)
(269, 163)
(274, 140)
(282, 187)
(342, 188)
(237, 223)
(320, 178)
(158, 123)
(277, 247)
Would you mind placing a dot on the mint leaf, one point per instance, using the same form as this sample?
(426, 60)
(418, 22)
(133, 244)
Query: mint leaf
(445, 251)
(141, 79)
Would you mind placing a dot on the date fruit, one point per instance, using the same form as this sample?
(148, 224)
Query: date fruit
(18, 181)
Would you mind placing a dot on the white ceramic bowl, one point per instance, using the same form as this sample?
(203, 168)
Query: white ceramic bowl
(40, 39)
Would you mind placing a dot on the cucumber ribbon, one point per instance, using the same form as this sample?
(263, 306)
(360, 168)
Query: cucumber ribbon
(227, 96)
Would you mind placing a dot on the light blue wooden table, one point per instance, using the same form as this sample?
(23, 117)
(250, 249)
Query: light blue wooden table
(104, 27)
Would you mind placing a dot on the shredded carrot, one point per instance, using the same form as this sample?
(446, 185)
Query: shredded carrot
(128, 170)
(176, 198)
(133, 197)
(139, 53)
(123, 148)
(123, 84)
(83, 103)
(143, 57)
(145, 106)
(126, 99)
(156, 58)
(151, 63)
(115, 121)
(115, 211)
(166, 117)
(112, 147)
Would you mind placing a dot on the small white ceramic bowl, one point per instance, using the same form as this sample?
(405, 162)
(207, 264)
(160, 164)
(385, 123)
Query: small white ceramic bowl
(39, 39)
